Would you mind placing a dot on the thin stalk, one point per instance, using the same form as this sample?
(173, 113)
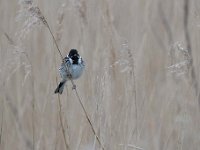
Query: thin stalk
(60, 106)
(74, 87)
(85, 112)
(61, 122)
(54, 40)
(1, 130)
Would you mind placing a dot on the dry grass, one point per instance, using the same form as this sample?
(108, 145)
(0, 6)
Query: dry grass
(140, 89)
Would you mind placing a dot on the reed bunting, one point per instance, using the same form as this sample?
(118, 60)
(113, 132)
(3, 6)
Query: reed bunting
(71, 68)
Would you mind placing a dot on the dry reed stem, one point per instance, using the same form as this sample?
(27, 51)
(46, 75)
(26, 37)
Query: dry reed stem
(33, 111)
(74, 86)
(61, 122)
(134, 90)
(60, 111)
(47, 25)
(2, 119)
(93, 130)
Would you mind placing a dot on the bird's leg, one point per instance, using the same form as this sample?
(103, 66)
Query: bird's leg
(69, 76)
(73, 84)
(73, 87)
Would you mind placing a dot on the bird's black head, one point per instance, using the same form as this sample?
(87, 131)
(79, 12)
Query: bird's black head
(73, 54)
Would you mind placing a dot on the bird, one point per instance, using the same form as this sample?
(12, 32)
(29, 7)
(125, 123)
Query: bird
(71, 68)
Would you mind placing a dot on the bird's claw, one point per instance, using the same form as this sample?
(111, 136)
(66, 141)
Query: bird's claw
(74, 87)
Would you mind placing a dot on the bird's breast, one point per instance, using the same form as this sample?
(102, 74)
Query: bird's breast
(76, 71)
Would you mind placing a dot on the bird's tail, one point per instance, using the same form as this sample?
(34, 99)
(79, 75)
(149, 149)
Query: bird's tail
(60, 87)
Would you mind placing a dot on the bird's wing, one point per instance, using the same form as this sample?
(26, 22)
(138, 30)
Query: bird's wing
(65, 64)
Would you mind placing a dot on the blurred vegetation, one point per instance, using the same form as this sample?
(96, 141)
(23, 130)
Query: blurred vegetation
(140, 88)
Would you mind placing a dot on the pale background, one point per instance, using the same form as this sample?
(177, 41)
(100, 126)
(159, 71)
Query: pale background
(140, 87)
